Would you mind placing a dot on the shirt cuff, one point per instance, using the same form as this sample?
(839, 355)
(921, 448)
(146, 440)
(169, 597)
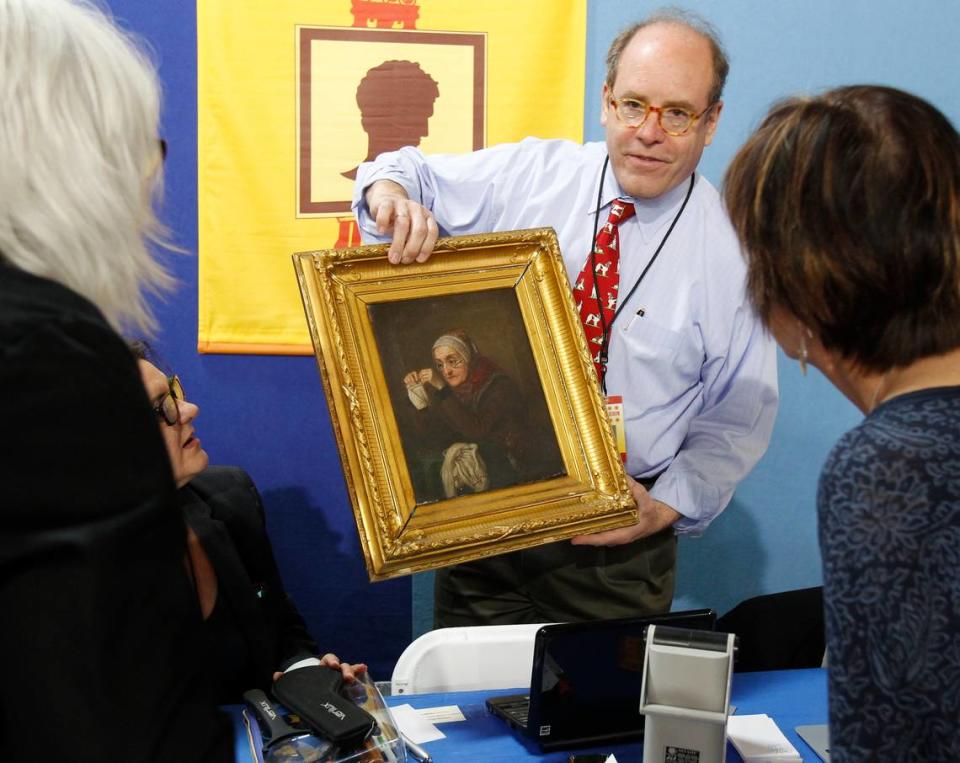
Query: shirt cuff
(306, 662)
(367, 175)
(688, 493)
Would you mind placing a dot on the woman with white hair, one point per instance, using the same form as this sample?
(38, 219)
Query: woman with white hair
(101, 644)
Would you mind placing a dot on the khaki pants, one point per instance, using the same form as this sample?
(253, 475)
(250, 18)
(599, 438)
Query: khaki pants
(559, 582)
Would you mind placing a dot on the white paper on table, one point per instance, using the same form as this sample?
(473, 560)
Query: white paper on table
(413, 726)
(443, 714)
(759, 740)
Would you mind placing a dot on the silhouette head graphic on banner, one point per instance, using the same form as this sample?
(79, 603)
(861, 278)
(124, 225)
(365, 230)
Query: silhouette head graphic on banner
(396, 102)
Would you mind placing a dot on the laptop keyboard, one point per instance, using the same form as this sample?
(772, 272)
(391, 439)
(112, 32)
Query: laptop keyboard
(518, 710)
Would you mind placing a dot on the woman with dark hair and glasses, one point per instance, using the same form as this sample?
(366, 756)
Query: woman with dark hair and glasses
(848, 206)
(254, 628)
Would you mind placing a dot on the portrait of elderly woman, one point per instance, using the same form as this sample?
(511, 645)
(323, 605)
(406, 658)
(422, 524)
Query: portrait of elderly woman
(473, 428)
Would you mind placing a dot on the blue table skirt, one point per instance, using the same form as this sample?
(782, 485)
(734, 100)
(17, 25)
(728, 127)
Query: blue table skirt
(791, 697)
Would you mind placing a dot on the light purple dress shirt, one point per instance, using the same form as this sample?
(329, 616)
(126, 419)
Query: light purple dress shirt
(695, 368)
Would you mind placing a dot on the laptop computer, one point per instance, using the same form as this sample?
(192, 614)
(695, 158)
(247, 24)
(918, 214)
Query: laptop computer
(586, 680)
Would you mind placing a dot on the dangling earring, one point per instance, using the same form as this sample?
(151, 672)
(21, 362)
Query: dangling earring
(804, 355)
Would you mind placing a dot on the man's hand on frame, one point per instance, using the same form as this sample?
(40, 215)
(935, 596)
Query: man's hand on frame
(654, 516)
(413, 225)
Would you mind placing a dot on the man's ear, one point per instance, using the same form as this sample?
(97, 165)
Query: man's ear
(713, 118)
(605, 97)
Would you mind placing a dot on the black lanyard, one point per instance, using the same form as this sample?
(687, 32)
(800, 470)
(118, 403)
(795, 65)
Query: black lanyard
(606, 329)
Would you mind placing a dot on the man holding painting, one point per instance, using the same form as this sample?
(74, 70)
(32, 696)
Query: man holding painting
(672, 332)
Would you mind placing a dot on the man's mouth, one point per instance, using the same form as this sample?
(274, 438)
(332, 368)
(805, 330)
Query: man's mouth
(643, 159)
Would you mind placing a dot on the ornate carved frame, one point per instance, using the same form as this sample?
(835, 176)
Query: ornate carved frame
(397, 535)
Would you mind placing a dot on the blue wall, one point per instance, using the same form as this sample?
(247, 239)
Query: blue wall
(268, 415)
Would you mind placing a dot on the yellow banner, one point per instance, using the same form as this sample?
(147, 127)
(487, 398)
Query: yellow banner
(294, 94)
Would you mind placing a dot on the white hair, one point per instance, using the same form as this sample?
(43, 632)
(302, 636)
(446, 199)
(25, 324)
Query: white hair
(79, 154)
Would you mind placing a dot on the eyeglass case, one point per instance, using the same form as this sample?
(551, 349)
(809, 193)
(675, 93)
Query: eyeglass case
(313, 693)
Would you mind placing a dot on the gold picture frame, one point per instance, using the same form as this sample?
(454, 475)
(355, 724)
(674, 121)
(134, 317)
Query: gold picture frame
(527, 400)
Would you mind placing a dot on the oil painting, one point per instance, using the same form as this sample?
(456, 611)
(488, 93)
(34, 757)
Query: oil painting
(467, 413)
(470, 407)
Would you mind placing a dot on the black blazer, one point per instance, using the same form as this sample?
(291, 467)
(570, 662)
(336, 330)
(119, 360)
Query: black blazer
(224, 509)
(101, 649)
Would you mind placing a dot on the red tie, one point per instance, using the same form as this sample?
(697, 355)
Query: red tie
(596, 291)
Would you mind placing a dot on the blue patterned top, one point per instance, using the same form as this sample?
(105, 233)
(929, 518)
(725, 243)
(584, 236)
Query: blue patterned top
(889, 524)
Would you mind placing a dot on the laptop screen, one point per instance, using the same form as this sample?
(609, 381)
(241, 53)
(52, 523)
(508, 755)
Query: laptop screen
(588, 676)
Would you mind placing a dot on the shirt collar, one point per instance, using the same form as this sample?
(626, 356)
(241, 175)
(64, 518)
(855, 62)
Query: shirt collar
(649, 211)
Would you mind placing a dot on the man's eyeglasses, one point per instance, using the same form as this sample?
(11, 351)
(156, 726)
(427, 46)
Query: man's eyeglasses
(167, 407)
(673, 120)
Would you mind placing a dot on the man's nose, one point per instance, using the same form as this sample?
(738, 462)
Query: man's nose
(650, 131)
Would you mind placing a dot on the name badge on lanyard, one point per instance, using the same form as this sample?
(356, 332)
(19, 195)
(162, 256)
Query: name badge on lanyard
(615, 413)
